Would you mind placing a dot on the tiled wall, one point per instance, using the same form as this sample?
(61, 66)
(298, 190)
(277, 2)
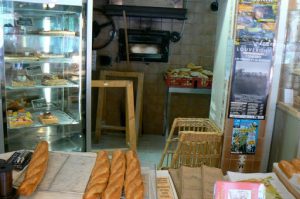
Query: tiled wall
(196, 46)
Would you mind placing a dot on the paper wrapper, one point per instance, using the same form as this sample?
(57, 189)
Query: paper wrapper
(195, 183)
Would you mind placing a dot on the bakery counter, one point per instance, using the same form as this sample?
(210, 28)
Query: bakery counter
(68, 174)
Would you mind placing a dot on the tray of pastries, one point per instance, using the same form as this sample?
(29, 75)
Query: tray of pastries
(19, 119)
(53, 80)
(48, 118)
(57, 32)
(22, 81)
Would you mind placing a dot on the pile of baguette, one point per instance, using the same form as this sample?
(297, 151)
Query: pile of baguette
(290, 168)
(108, 178)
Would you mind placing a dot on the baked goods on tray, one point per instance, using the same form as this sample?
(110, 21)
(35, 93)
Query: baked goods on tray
(48, 118)
(36, 169)
(116, 178)
(296, 163)
(12, 57)
(22, 81)
(19, 119)
(53, 80)
(57, 32)
(287, 168)
(134, 187)
(50, 55)
(99, 177)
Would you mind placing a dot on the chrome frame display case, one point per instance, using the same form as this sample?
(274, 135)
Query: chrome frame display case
(45, 59)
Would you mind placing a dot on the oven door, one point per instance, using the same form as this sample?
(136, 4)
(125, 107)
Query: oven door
(146, 46)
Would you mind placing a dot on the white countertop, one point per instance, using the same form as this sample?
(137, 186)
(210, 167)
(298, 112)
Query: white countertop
(67, 176)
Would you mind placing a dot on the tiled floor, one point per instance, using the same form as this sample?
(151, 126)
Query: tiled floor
(150, 147)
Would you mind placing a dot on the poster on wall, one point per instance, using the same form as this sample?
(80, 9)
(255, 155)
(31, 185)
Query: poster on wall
(250, 82)
(252, 68)
(256, 21)
(244, 136)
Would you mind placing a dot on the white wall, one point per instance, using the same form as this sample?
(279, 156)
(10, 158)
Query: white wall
(223, 62)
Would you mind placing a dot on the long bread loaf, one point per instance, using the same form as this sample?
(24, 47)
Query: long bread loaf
(134, 187)
(287, 168)
(296, 164)
(99, 177)
(36, 169)
(116, 178)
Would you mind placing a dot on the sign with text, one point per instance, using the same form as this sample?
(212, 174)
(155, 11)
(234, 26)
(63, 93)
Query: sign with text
(250, 82)
(252, 67)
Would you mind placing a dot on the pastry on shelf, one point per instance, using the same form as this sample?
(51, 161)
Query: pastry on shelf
(53, 80)
(21, 56)
(48, 118)
(57, 32)
(20, 120)
(21, 81)
(50, 56)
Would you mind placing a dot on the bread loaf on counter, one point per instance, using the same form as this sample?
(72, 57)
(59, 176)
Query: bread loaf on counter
(134, 187)
(296, 164)
(287, 168)
(116, 178)
(99, 177)
(36, 169)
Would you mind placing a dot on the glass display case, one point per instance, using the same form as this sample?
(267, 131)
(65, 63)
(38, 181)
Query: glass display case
(44, 74)
(289, 93)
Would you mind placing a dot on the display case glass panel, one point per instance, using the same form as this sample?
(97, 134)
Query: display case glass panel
(44, 74)
(289, 93)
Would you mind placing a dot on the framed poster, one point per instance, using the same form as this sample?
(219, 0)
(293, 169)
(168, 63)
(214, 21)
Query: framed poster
(244, 136)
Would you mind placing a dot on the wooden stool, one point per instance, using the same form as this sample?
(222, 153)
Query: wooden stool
(130, 118)
(104, 74)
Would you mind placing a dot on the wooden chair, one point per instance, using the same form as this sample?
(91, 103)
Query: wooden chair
(197, 148)
(184, 124)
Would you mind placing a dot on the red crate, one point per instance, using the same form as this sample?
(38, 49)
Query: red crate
(192, 82)
(204, 83)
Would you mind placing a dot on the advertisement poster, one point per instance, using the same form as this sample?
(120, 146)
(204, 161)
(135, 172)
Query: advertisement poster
(244, 136)
(250, 82)
(256, 21)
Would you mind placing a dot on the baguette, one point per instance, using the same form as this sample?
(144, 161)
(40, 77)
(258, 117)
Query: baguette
(36, 169)
(116, 178)
(99, 177)
(134, 187)
(296, 164)
(287, 168)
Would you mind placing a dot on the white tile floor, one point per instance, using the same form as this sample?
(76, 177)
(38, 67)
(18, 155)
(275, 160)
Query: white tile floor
(150, 147)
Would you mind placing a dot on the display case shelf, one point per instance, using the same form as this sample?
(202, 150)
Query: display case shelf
(43, 12)
(43, 35)
(68, 85)
(37, 60)
(63, 118)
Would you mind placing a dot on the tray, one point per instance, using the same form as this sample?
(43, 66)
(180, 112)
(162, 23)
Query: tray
(63, 118)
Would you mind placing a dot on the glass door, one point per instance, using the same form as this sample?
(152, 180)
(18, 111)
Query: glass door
(44, 75)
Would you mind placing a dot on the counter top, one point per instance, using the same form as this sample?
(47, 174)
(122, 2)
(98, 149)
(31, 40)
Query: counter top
(67, 176)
